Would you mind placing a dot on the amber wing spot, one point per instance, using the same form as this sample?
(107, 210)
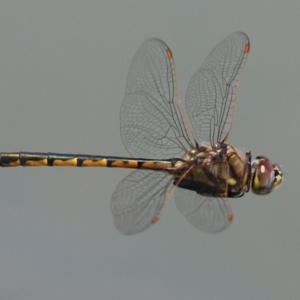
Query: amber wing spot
(169, 53)
(154, 220)
(230, 217)
(247, 48)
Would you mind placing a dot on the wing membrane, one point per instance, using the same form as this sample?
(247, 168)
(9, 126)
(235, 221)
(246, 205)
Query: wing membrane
(211, 94)
(152, 125)
(138, 199)
(207, 214)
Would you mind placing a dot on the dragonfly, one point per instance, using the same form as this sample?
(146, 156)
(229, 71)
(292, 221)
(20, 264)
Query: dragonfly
(183, 152)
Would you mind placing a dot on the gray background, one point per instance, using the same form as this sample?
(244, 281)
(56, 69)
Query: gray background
(63, 68)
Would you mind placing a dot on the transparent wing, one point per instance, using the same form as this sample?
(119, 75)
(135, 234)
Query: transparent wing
(138, 200)
(152, 124)
(207, 214)
(211, 94)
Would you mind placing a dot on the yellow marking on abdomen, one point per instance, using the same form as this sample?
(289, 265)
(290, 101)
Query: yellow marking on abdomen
(36, 163)
(156, 165)
(66, 162)
(94, 163)
(13, 163)
(125, 164)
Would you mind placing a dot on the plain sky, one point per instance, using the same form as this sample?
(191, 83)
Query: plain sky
(63, 68)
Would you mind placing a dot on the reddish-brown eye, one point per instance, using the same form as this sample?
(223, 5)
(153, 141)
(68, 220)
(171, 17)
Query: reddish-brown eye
(265, 173)
(263, 176)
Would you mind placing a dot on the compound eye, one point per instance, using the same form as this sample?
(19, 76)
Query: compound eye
(265, 173)
(263, 178)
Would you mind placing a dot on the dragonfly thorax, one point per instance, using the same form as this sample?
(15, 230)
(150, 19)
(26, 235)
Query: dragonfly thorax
(216, 171)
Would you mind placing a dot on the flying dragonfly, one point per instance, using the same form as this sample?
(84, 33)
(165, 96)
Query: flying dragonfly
(188, 155)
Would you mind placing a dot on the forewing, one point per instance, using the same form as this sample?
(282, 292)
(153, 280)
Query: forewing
(138, 200)
(207, 214)
(211, 94)
(152, 125)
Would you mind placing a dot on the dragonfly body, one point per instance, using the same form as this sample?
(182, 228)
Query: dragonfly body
(218, 171)
(154, 126)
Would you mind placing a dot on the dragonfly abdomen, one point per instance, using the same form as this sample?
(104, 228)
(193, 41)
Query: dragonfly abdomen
(31, 159)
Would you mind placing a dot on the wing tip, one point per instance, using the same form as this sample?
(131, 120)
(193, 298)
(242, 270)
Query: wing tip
(169, 53)
(247, 48)
(155, 220)
(230, 217)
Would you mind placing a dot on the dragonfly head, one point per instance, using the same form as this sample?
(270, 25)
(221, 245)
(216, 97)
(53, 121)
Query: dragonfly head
(265, 176)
